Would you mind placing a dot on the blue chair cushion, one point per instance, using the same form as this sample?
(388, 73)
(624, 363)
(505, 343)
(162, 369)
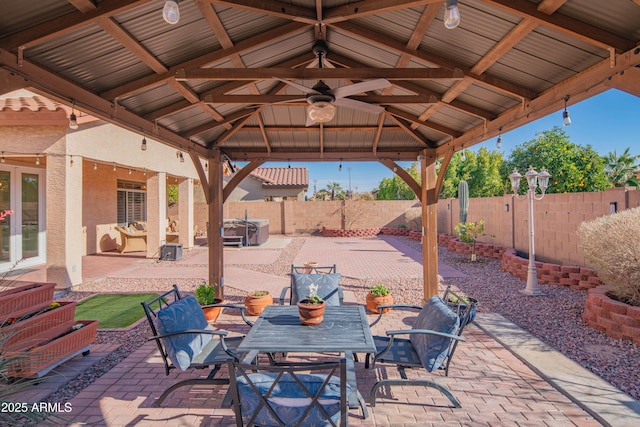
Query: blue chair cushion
(328, 285)
(434, 316)
(179, 316)
(288, 399)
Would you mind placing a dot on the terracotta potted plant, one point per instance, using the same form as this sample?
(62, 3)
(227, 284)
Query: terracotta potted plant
(311, 308)
(206, 295)
(256, 301)
(309, 266)
(379, 294)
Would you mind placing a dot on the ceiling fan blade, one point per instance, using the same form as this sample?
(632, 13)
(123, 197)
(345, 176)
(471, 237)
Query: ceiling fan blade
(298, 86)
(358, 105)
(276, 103)
(344, 91)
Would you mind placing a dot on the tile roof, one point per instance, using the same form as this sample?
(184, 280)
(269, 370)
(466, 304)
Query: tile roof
(282, 177)
(33, 103)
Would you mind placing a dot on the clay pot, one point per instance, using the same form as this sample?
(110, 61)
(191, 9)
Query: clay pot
(311, 314)
(374, 301)
(309, 266)
(212, 313)
(255, 304)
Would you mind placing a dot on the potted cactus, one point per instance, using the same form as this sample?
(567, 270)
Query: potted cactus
(256, 301)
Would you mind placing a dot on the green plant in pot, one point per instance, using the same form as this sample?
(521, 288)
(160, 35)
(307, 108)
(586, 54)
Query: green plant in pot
(378, 295)
(311, 308)
(206, 295)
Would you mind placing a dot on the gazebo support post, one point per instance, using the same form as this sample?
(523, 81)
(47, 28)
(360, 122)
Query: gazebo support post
(429, 226)
(216, 224)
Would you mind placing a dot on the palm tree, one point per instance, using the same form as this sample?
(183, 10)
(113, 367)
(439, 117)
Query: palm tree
(334, 188)
(622, 170)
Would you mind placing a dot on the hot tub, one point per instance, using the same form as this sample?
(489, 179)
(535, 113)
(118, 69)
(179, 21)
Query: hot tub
(253, 230)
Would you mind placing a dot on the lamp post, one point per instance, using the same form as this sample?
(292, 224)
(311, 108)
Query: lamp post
(534, 179)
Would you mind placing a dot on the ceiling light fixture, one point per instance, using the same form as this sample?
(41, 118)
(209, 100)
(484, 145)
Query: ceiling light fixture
(143, 146)
(566, 120)
(321, 111)
(499, 141)
(451, 14)
(73, 120)
(171, 12)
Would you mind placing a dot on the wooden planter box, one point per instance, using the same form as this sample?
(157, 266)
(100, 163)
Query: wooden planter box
(39, 360)
(17, 302)
(41, 327)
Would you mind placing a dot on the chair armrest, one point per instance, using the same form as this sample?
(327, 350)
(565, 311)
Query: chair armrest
(423, 332)
(393, 307)
(340, 294)
(283, 294)
(221, 334)
(242, 308)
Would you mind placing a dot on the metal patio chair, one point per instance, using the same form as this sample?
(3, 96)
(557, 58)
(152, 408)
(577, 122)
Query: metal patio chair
(326, 277)
(430, 345)
(301, 394)
(186, 340)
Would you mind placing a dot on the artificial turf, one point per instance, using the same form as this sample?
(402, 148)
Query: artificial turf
(113, 310)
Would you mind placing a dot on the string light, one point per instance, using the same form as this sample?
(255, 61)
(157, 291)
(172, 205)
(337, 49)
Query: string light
(463, 158)
(499, 141)
(71, 162)
(95, 166)
(129, 171)
(73, 120)
(114, 167)
(38, 160)
(566, 120)
(3, 159)
(340, 166)
(145, 172)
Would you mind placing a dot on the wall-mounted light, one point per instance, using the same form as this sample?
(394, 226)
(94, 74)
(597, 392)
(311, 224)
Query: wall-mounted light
(566, 120)
(143, 145)
(73, 120)
(171, 12)
(180, 156)
(499, 141)
(451, 14)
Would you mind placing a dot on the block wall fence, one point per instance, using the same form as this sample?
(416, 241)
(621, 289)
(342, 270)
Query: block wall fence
(557, 218)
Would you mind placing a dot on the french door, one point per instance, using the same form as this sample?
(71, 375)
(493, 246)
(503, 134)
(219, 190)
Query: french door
(23, 233)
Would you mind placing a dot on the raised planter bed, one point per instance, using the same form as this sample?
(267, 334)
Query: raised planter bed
(614, 318)
(40, 359)
(41, 325)
(17, 302)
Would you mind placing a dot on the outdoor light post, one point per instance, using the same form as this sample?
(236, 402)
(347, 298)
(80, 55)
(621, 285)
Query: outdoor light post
(533, 180)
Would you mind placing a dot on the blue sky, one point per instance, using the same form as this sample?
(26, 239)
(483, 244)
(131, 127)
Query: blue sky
(607, 122)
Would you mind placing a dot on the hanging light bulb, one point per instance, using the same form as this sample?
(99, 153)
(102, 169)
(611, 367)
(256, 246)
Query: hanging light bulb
(171, 12)
(37, 160)
(145, 172)
(499, 141)
(289, 164)
(3, 159)
(129, 171)
(566, 120)
(451, 14)
(95, 166)
(71, 162)
(114, 167)
(181, 158)
(340, 166)
(463, 157)
(206, 166)
(73, 120)
(143, 146)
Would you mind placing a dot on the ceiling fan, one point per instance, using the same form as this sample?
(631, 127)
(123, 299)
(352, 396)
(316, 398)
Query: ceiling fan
(323, 100)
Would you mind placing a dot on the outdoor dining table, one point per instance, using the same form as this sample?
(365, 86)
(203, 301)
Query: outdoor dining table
(345, 329)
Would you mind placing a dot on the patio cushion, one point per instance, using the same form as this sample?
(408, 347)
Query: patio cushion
(179, 316)
(434, 316)
(289, 400)
(327, 287)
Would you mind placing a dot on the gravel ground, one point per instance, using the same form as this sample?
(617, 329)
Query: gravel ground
(555, 318)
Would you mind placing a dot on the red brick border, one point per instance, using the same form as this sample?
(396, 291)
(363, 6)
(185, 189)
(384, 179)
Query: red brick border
(367, 232)
(616, 319)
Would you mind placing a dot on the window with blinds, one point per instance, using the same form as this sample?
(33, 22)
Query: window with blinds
(132, 202)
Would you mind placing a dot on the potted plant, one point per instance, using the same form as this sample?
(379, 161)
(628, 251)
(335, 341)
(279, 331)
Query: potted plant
(379, 294)
(256, 301)
(309, 266)
(311, 308)
(206, 295)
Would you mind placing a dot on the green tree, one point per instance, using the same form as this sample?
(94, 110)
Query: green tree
(172, 194)
(336, 190)
(482, 171)
(573, 168)
(395, 188)
(621, 170)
